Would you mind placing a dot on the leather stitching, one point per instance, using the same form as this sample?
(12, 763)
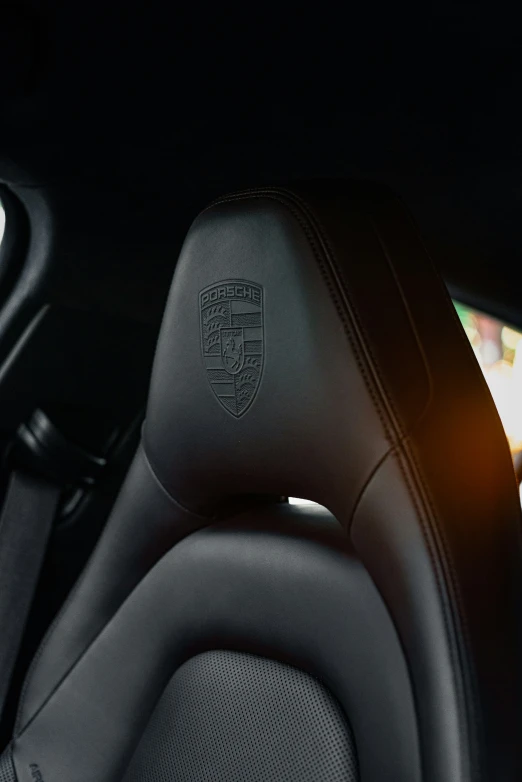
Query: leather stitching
(466, 672)
(170, 497)
(85, 651)
(47, 638)
(468, 679)
(399, 451)
(395, 419)
(433, 546)
(436, 544)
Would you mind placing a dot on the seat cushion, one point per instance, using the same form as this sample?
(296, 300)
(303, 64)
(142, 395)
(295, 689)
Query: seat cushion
(227, 716)
(277, 601)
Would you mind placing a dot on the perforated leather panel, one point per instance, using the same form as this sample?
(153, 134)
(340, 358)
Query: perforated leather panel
(227, 717)
(7, 772)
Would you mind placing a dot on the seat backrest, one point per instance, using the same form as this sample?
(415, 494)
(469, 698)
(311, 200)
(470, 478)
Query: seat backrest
(308, 349)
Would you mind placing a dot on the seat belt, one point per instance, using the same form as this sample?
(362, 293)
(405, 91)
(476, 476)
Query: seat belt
(44, 464)
(26, 521)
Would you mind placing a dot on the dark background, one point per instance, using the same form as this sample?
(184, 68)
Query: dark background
(129, 116)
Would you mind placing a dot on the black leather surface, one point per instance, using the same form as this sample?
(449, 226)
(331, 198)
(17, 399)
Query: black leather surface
(364, 396)
(367, 374)
(281, 584)
(144, 525)
(7, 772)
(231, 717)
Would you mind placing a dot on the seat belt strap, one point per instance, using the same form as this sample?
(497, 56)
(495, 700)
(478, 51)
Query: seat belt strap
(30, 507)
(44, 464)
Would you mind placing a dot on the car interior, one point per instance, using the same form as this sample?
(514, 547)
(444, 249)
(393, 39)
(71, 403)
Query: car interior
(260, 393)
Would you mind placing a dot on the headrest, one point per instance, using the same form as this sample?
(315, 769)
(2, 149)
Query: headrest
(307, 338)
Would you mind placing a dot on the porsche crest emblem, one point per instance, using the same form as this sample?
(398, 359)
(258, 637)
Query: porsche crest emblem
(231, 318)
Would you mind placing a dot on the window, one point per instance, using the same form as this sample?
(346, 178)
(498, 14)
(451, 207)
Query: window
(2, 222)
(498, 349)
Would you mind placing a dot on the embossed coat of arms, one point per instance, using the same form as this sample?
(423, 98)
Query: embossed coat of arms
(232, 341)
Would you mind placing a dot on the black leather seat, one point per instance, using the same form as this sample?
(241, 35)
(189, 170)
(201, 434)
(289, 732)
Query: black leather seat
(308, 349)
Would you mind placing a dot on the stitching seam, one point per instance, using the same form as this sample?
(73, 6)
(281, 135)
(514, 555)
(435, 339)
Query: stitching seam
(47, 638)
(90, 645)
(436, 545)
(436, 542)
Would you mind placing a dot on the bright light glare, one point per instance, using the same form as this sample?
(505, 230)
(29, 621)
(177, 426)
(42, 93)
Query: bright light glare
(2, 222)
(498, 349)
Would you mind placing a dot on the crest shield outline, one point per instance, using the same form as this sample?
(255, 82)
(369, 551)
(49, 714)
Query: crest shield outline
(231, 315)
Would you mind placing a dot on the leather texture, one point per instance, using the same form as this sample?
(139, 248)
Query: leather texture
(231, 717)
(280, 583)
(7, 772)
(366, 398)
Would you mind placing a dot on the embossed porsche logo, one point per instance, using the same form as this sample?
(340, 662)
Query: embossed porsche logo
(232, 341)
